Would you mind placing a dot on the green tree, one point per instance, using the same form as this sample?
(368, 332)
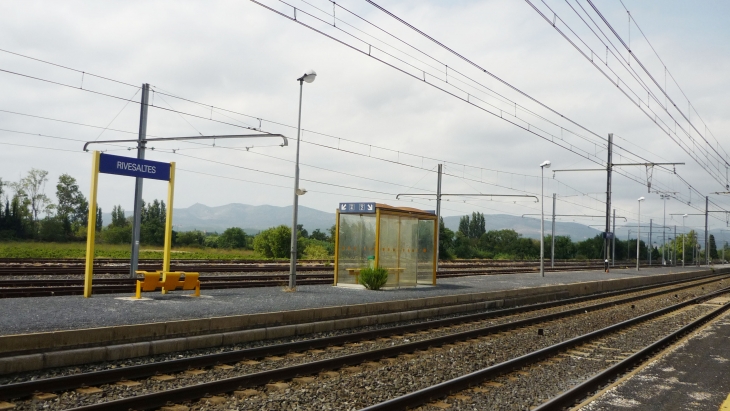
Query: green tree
(194, 238)
(51, 229)
(99, 219)
(152, 228)
(273, 242)
(446, 241)
(119, 219)
(464, 225)
(713, 247)
(72, 208)
(32, 188)
(319, 235)
(233, 237)
(477, 225)
(301, 231)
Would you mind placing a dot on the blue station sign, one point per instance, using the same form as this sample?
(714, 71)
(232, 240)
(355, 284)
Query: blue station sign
(133, 167)
(357, 208)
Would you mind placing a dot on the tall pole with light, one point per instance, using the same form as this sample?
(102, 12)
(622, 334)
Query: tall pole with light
(638, 235)
(308, 77)
(545, 164)
(684, 234)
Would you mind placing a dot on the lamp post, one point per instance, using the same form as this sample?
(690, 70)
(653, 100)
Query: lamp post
(308, 77)
(638, 235)
(545, 164)
(684, 234)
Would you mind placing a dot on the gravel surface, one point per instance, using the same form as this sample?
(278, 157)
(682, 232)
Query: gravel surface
(355, 387)
(520, 391)
(56, 372)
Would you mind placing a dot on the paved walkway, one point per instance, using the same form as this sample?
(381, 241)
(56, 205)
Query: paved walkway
(27, 315)
(694, 377)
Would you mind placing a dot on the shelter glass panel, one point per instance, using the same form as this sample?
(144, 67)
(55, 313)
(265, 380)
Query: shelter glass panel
(408, 252)
(426, 234)
(356, 245)
(389, 246)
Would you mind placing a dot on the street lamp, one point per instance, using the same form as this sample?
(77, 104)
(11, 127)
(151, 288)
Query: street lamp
(309, 77)
(545, 164)
(638, 235)
(684, 234)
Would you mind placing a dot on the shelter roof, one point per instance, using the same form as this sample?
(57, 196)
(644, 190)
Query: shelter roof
(409, 210)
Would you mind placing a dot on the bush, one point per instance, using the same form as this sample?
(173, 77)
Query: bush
(233, 237)
(194, 238)
(116, 235)
(316, 252)
(273, 242)
(52, 230)
(373, 278)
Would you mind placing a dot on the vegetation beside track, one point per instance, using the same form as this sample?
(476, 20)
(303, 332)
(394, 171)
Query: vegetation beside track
(28, 249)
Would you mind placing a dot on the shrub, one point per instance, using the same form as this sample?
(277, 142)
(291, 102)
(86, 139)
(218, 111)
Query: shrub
(373, 278)
(233, 237)
(116, 235)
(274, 242)
(194, 238)
(316, 252)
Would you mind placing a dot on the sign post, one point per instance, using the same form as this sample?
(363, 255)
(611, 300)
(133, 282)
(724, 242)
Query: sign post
(91, 228)
(131, 167)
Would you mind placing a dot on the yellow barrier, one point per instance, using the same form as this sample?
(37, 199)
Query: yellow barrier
(170, 281)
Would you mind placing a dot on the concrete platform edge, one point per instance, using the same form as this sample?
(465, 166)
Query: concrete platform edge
(74, 347)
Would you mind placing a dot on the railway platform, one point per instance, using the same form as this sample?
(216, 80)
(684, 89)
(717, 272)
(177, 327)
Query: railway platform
(33, 315)
(692, 375)
(45, 332)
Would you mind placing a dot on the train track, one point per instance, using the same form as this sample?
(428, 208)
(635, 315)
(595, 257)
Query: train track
(249, 373)
(315, 273)
(17, 288)
(46, 288)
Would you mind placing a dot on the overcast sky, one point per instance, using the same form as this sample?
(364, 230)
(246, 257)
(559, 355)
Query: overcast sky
(372, 130)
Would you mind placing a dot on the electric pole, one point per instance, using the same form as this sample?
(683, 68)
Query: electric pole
(137, 218)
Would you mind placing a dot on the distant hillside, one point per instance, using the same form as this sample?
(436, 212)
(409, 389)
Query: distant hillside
(529, 227)
(250, 218)
(256, 218)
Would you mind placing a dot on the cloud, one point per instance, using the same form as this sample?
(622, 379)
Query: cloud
(241, 57)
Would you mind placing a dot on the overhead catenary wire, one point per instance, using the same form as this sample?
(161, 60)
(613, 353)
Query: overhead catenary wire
(407, 73)
(211, 106)
(653, 117)
(470, 166)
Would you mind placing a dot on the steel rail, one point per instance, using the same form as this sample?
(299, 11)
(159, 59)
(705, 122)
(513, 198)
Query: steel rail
(445, 388)
(55, 291)
(152, 400)
(601, 379)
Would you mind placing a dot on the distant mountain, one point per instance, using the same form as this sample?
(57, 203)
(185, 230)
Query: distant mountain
(529, 227)
(256, 218)
(251, 219)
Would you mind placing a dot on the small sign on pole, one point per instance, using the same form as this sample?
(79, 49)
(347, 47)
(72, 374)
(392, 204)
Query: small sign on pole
(357, 208)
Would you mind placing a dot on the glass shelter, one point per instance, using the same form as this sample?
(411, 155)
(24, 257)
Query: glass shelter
(400, 239)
